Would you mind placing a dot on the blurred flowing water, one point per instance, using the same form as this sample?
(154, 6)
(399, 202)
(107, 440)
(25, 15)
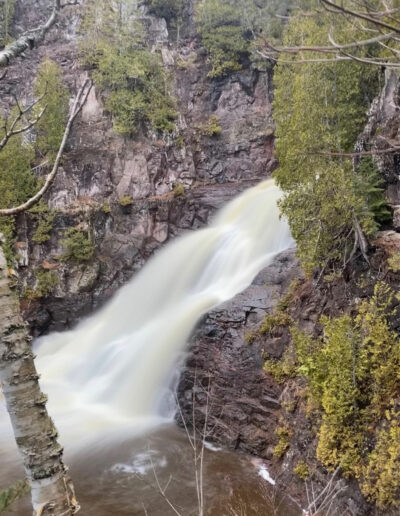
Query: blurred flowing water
(110, 379)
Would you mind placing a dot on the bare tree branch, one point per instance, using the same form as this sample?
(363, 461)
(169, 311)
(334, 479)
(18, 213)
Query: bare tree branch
(362, 16)
(32, 38)
(14, 129)
(79, 102)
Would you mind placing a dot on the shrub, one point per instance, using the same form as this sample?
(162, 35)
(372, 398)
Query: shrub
(179, 190)
(273, 322)
(17, 184)
(129, 75)
(50, 128)
(7, 8)
(284, 434)
(394, 262)
(212, 127)
(46, 281)
(223, 35)
(302, 470)
(78, 247)
(126, 200)
(42, 233)
(352, 372)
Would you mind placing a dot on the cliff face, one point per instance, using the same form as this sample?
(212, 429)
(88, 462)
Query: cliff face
(224, 376)
(100, 167)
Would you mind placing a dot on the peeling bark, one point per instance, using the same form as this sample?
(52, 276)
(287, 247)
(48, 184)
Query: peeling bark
(35, 434)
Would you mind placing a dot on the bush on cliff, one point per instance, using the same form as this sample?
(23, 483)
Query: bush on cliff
(129, 75)
(352, 373)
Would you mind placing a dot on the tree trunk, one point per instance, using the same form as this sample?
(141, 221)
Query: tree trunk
(34, 431)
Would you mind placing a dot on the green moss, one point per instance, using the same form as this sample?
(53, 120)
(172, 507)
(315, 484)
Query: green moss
(283, 304)
(250, 336)
(281, 369)
(78, 247)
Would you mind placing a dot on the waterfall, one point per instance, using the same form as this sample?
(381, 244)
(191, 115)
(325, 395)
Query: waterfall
(110, 370)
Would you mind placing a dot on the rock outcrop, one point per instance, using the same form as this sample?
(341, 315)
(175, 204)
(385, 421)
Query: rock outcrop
(100, 167)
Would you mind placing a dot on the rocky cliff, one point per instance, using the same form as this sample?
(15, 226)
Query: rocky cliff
(176, 183)
(224, 379)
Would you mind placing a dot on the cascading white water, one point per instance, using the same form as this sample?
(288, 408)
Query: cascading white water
(110, 370)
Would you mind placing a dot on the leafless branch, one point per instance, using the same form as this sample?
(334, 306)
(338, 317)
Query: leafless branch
(79, 102)
(360, 15)
(14, 129)
(32, 38)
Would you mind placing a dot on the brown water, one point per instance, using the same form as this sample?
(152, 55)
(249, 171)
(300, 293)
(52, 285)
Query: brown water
(119, 480)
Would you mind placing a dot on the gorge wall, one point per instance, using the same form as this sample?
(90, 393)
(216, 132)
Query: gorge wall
(100, 167)
(224, 380)
(176, 184)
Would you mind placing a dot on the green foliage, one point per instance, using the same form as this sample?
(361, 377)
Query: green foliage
(171, 10)
(320, 109)
(17, 184)
(224, 36)
(43, 230)
(212, 127)
(7, 8)
(250, 336)
(394, 262)
(352, 373)
(284, 434)
(50, 128)
(106, 208)
(273, 322)
(179, 190)
(229, 30)
(126, 200)
(129, 75)
(302, 470)
(283, 304)
(12, 494)
(281, 369)
(46, 281)
(78, 247)
(382, 475)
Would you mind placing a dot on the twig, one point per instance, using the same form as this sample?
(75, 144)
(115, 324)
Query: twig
(80, 100)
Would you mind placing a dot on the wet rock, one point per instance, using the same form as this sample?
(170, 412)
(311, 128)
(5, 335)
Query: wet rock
(243, 399)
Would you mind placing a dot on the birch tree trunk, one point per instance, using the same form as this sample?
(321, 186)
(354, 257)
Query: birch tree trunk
(35, 434)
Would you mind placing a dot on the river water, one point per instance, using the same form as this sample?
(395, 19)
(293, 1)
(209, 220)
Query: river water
(110, 380)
